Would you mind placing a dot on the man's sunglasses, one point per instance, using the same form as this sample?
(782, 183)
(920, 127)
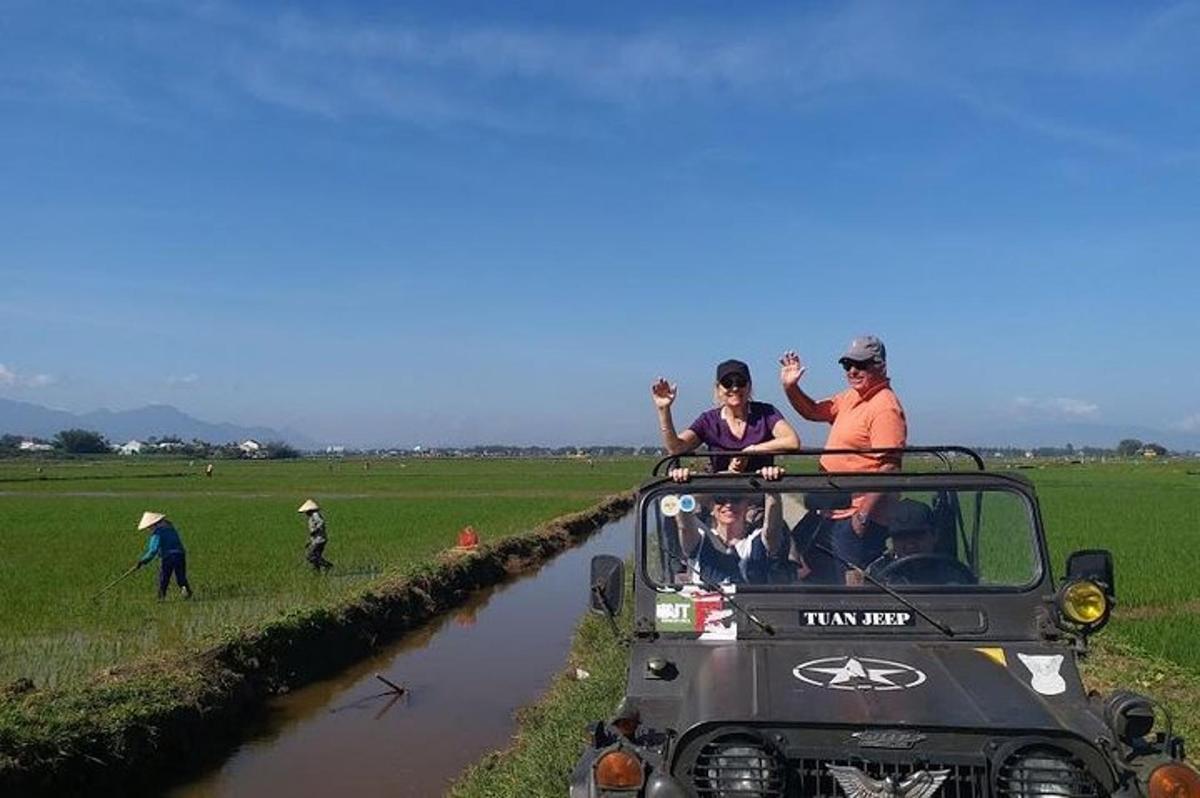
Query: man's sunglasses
(727, 500)
(861, 365)
(732, 381)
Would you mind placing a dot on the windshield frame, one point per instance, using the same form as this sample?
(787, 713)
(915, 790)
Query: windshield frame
(751, 484)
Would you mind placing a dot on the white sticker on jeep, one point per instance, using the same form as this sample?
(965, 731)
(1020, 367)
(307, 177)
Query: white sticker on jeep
(859, 673)
(1044, 669)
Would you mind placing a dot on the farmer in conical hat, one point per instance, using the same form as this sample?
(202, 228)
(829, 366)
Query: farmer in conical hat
(165, 544)
(316, 536)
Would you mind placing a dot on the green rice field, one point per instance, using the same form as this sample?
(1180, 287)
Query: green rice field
(70, 529)
(1148, 515)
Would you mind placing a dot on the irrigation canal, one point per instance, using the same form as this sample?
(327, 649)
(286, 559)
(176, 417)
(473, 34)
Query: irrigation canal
(465, 674)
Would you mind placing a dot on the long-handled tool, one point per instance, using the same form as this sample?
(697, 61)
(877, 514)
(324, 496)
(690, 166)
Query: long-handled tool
(114, 582)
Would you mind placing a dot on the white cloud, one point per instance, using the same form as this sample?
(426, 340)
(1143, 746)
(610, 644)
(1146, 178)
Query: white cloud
(1056, 407)
(186, 379)
(12, 379)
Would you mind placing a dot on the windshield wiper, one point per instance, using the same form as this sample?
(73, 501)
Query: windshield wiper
(713, 588)
(941, 627)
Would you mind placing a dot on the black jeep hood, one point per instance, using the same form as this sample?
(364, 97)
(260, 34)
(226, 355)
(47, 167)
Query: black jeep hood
(950, 685)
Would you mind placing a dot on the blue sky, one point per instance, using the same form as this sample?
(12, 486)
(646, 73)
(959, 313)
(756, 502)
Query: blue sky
(476, 222)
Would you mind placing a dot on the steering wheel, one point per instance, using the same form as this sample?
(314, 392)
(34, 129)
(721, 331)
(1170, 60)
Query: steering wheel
(904, 569)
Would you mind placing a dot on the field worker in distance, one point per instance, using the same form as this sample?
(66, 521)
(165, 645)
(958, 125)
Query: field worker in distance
(867, 415)
(731, 551)
(316, 536)
(737, 423)
(165, 544)
(208, 469)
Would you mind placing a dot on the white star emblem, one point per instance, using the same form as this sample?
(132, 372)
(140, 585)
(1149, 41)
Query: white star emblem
(853, 671)
(852, 674)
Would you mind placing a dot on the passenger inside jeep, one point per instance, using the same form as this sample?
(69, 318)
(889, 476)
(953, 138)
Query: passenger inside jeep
(937, 537)
(913, 557)
(732, 546)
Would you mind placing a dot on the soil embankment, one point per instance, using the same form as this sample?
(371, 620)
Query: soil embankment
(133, 728)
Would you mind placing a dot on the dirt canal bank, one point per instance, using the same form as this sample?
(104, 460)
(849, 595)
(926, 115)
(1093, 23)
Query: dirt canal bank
(465, 674)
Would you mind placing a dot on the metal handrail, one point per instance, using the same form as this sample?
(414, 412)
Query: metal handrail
(938, 451)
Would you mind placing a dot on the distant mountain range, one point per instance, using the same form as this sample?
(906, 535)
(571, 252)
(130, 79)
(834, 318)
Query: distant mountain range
(25, 418)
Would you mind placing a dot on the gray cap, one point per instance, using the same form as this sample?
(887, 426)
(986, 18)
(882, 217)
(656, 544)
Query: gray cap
(910, 517)
(865, 348)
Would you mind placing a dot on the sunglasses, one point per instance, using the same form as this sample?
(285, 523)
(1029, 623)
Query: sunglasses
(733, 381)
(727, 500)
(861, 365)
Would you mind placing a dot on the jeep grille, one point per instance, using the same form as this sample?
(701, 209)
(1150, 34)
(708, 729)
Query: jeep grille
(816, 781)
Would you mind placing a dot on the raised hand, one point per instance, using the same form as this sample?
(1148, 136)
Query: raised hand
(791, 369)
(680, 474)
(663, 393)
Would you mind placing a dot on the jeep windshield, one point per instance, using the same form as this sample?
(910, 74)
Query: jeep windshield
(838, 533)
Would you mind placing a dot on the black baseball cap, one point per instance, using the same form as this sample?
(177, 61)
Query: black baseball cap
(910, 517)
(728, 367)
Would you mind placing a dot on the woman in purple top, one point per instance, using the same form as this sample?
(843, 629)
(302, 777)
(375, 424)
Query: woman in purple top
(735, 424)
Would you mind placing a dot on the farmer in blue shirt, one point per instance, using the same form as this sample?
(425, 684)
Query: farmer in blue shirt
(164, 543)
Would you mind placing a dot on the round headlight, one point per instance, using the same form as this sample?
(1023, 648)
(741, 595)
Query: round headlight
(1174, 780)
(738, 765)
(1084, 603)
(1040, 771)
(739, 770)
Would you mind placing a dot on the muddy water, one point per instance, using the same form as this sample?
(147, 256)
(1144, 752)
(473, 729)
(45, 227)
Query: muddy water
(465, 674)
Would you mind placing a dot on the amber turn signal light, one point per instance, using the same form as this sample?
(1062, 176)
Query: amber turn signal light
(621, 770)
(1174, 780)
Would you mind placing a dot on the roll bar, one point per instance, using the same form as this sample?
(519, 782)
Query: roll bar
(939, 452)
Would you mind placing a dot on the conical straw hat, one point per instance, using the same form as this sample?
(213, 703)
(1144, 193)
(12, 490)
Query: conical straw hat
(308, 505)
(149, 519)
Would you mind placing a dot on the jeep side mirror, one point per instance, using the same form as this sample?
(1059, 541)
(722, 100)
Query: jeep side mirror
(1095, 565)
(607, 584)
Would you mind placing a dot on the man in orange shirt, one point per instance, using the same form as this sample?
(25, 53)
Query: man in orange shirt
(867, 415)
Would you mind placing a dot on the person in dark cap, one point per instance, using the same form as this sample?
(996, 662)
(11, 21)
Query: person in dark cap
(737, 423)
(913, 558)
(867, 415)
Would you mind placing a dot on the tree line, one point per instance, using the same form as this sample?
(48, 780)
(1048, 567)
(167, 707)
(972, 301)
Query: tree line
(1127, 447)
(85, 441)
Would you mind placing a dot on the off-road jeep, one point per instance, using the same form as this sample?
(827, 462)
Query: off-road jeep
(947, 667)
